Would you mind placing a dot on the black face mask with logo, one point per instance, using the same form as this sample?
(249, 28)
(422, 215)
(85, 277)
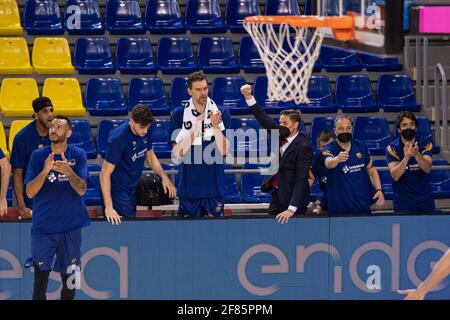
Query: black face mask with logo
(344, 137)
(408, 134)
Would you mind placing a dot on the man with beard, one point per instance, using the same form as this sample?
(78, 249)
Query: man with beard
(56, 181)
(30, 138)
(350, 173)
(410, 163)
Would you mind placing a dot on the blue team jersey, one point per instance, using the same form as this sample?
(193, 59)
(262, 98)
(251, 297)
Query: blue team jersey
(318, 168)
(127, 152)
(202, 180)
(57, 208)
(25, 142)
(412, 192)
(2, 155)
(348, 185)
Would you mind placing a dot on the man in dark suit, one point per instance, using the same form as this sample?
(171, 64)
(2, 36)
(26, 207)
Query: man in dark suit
(290, 185)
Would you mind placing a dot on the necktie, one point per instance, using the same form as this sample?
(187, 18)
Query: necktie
(275, 177)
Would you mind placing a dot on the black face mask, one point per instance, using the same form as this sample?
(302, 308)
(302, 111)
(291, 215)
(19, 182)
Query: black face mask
(408, 134)
(284, 132)
(344, 137)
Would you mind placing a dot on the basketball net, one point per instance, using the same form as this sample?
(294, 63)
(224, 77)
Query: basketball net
(289, 54)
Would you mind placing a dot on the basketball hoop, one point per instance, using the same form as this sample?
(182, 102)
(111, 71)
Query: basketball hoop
(289, 47)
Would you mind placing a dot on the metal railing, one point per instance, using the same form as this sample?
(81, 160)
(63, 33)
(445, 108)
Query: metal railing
(440, 101)
(259, 171)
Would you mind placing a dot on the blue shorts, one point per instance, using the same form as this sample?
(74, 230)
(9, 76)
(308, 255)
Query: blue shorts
(201, 207)
(63, 248)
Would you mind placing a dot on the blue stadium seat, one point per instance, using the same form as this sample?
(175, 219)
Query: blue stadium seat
(249, 140)
(396, 93)
(249, 58)
(93, 56)
(89, 14)
(103, 131)
(148, 91)
(320, 96)
(232, 194)
(164, 16)
(440, 180)
(260, 94)
(104, 97)
(424, 132)
(82, 137)
(216, 55)
(226, 92)
(160, 136)
(354, 94)
(237, 10)
(339, 60)
(251, 185)
(135, 56)
(92, 196)
(203, 16)
(176, 56)
(376, 63)
(374, 132)
(282, 8)
(386, 179)
(318, 124)
(42, 17)
(124, 17)
(178, 93)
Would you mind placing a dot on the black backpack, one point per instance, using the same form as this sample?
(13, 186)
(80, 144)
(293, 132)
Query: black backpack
(150, 191)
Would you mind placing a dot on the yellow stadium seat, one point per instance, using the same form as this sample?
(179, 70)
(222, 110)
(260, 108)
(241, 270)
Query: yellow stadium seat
(16, 126)
(9, 18)
(3, 140)
(65, 94)
(52, 56)
(17, 95)
(14, 56)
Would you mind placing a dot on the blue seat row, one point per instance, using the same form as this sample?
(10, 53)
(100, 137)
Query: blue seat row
(176, 56)
(104, 96)
(161, 16)
(353, 93)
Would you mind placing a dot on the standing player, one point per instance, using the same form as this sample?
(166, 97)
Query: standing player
(410, 163)
(350, 173)
(31, 137)
(129, 146)
(201, 187)
(5, 172)
(440, 271)
(56, 180)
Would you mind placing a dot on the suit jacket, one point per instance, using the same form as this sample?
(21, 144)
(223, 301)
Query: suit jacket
(293, 185)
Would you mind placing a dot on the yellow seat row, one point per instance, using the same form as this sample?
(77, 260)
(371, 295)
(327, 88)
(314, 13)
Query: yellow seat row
(16, 126)
(9, 18)
(50, 56)
(17, 94)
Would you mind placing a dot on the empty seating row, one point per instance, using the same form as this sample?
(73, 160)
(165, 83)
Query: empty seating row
(125, 17)
(50, 56)
(105, 97)
(17, 94)
(135, 56)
